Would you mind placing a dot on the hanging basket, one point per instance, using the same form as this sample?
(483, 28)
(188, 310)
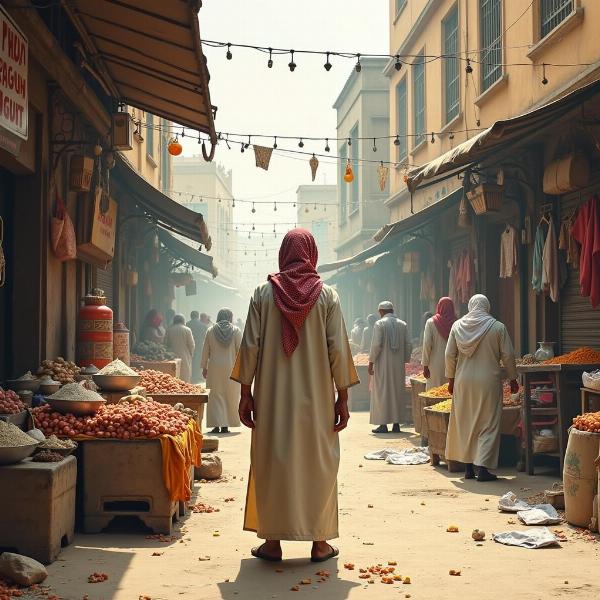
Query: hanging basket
(81, 169)
(486, 197)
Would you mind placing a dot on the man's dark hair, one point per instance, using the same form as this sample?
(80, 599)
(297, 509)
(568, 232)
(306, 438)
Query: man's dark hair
(194, 314)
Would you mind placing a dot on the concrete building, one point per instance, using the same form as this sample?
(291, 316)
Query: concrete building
(207, 188)
(316, 209)
(362, 113)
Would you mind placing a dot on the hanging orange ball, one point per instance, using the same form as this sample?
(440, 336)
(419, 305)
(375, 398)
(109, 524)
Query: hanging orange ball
(174, 147)
(349, 175)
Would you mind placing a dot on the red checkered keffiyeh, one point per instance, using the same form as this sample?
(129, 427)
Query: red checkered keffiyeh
(297, 286)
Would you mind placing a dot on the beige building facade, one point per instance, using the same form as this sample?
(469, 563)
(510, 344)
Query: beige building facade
(511, 47)
(316, 211)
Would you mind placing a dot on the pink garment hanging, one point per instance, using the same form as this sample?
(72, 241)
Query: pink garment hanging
(586, 231)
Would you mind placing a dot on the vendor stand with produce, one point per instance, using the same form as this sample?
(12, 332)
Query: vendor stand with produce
(552, 398)
(153, 355)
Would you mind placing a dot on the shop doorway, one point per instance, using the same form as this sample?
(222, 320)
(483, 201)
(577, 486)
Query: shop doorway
(6, 291)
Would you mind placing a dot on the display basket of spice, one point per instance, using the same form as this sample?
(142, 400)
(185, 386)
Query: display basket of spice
(429, 398)
(52, 443)
(437, 419)
(116, 377)
(15, 445)
(486, 197)
(74, 399)
(417, 386)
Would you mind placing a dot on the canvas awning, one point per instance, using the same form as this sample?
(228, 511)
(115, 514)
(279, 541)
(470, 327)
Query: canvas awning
(500, 136)
(186, 254)
(148, 54)
(389, 233)
(160, 208)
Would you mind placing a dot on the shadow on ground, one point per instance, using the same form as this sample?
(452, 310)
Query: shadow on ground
(257, 579)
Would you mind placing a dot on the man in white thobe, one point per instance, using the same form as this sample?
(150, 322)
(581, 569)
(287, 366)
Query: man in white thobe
(180, 341)
(390, 350)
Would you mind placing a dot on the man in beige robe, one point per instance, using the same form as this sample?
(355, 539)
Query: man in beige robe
(476, 345)
(296, 356)
(390, 350)
(180, 341)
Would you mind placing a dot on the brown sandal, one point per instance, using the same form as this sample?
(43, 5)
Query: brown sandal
(257, 553)
(334, 552)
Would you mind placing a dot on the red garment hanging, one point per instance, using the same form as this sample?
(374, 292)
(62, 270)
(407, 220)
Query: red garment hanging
(586, 231)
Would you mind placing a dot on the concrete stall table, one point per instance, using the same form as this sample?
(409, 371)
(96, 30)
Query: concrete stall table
(37, 507)
(171, 367)
(563, 381)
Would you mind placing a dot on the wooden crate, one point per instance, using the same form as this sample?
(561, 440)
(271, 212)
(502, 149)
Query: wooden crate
(171, 367)
(437, 430)
(417, 386)
(423, 403)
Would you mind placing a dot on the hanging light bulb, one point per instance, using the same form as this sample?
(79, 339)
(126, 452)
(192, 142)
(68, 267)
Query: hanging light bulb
(348, 175)
(349, 141)
(248, 143)
(270, 61)
(432, 138)
(275, 206)
(183, 132)
(301, 143)
(397, 141)
(292, 65)
(328, 65)
(468, 68)
(397, 64)
(233, 205)
(327, 148)
(253, 208)
(358, 66)
(544, 78)
(174, 147)
(451, 136)
(229, 56)
(253, 227)
(275, 143)
(374, 146)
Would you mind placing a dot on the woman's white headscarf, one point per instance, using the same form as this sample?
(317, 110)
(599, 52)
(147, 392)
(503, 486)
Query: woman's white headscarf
(469, 330)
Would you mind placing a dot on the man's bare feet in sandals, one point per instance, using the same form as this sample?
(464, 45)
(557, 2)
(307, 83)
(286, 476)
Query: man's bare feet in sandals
(269, 551)
(322, 551)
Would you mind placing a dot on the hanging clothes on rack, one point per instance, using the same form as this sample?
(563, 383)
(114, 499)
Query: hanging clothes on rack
(538, 251)
(550, 271)
(508, 252)
(566, 241)
(465, 277)
(427, 286)
(586, 231)
(452, 291)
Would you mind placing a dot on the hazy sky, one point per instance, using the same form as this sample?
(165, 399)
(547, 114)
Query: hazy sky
(254, 99)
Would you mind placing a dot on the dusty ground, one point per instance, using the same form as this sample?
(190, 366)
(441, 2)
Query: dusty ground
(411, 508)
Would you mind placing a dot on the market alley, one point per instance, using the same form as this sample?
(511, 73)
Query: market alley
(387, 514)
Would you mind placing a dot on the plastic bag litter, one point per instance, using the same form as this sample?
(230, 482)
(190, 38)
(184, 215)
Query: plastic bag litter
(591, 380)
(510, 503)
(532, 538)
(409, 456)
(540, 514)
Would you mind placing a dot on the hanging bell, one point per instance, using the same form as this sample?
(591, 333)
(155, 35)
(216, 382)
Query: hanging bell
(349, 175)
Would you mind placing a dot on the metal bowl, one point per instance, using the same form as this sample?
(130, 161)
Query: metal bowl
(116, 383)
(49, 388)
(10, 456)
(18, 385)
(78, 408)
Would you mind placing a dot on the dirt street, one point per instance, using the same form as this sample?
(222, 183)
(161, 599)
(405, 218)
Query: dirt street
(387, 513)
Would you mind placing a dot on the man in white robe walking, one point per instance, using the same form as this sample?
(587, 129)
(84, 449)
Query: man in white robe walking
(390, 350)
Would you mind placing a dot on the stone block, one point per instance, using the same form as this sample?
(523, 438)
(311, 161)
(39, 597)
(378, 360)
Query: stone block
(22, 569)
(37, 507)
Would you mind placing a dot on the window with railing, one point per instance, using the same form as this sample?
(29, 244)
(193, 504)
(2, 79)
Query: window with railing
(490, 26)
(402, 120)
(354, 201)
(553, 13)
(418, 74)
(343, 186)
(451, 71)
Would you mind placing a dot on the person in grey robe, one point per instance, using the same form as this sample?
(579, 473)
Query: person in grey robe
(199, 326)
(367, 334)
(390, 350)
(180, 341)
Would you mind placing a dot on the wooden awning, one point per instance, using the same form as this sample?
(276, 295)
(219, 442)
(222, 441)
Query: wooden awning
(148, 54)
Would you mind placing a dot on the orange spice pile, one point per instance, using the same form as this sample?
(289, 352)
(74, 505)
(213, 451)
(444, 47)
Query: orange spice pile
(588, 422)
(438, 392)
(581, 356)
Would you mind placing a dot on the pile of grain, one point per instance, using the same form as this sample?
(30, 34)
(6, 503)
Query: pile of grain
(117, 367)
(75, 392)
(54, 443)
(11, 436)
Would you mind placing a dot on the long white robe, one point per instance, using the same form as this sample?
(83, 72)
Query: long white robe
(389, 383)
(292, 490)
(180, 340)
(434, 349)
(222, 409)
(475, 419)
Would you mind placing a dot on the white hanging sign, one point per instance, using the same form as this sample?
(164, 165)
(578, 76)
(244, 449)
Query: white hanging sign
(14, 58)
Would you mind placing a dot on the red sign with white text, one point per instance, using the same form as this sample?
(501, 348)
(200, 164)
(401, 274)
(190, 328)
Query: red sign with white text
(14, 58)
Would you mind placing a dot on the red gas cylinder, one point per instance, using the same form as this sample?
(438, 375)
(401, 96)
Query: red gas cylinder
(95, 339)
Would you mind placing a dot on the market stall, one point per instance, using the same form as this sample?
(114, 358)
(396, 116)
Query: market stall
(155, 356)
(552, 398)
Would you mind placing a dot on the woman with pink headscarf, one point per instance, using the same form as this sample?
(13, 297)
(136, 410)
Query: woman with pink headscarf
(295, 351)
(435, 337)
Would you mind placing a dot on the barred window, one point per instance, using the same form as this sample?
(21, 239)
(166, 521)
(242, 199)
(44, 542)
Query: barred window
(402, 119)
(490, 19)
(451, 71)
(552, 13)
(418, 72)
